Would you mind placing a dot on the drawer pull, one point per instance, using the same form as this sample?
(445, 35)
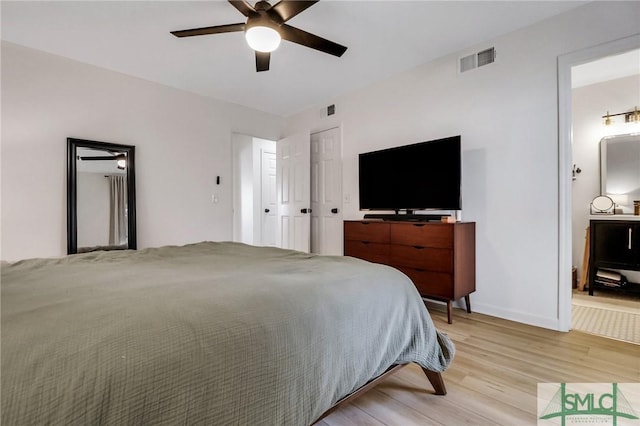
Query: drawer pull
(365, 242)
(630, 231)
(418, 247)
(418, 224)
(419, 270)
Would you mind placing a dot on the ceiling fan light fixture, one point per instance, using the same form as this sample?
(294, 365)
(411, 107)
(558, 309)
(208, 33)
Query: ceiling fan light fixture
(121, 161)
(262, 38)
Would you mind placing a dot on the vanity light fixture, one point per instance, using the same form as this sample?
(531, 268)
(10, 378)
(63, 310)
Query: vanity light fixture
(629, 117)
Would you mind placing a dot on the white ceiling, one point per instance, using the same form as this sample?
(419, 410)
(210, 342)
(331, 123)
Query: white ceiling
(383, 38)
(605, 69)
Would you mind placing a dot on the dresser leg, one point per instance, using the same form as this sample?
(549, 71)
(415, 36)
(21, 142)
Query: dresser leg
(449, 320)
(467, 301)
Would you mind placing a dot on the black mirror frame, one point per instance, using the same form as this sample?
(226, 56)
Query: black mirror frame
(72, 195)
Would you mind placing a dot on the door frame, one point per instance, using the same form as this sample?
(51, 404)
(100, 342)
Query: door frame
(565, 162)
(247, 140)
(260, 205)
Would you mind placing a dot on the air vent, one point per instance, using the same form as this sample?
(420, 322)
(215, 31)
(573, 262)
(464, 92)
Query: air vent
(476, 60)
(486, 57)
(468, 63)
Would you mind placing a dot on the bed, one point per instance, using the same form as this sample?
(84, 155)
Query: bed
(214, 333)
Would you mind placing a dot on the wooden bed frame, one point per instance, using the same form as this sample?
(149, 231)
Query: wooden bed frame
(434, 377)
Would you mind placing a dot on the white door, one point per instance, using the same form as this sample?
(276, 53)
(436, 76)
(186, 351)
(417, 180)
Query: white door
(269, 199)
(293, 183)
(326, 193)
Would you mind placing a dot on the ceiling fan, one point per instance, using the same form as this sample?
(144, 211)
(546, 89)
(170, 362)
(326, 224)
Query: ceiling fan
(266, 26)
(121, 159)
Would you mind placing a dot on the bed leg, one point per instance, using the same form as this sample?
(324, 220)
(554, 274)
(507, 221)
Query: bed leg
(436, 381)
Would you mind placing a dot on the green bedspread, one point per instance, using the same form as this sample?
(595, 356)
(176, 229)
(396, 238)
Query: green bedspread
(204, 334)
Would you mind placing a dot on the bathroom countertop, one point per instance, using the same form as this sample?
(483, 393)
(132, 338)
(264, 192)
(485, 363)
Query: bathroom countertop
(605, 216)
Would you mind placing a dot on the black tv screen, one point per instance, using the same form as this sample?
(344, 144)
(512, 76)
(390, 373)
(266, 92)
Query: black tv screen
(421, 176)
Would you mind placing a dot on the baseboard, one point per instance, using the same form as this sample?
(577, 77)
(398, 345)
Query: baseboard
(517, 316)
(506, 314)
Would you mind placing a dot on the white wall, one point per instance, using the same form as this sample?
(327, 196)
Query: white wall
(507, 115)
(182, 143)
(590, 103)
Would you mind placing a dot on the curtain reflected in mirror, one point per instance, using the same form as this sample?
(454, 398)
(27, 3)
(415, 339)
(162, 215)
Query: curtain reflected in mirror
(117, 210)
(101, 196)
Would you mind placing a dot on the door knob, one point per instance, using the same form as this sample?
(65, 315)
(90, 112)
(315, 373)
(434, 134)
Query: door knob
(267, 210)
(334, 210)
(305, 211)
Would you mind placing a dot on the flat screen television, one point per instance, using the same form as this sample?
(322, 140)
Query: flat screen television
(421, 176)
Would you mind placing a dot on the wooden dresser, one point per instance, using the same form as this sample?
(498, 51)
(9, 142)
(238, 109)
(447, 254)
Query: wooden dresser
(440, 258)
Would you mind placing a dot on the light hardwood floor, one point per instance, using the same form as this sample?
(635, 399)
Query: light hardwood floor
(609, 300)
(493, 378)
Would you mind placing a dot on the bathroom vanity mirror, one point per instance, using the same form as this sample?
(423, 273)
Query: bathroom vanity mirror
(620, 170)
(101, 200)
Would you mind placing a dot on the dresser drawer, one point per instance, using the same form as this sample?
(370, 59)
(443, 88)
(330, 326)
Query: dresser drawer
(417, 257)
(439, 258)
(373, 252)
(438, 235)
(428, 283)
(373, 232)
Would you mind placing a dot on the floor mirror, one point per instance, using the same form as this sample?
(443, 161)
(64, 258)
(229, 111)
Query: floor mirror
(101, 197)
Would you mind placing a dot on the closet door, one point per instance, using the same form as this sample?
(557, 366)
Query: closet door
(294, 191)
(326, 193)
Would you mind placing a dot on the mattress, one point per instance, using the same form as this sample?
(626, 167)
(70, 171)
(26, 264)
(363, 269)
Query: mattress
(214, 333)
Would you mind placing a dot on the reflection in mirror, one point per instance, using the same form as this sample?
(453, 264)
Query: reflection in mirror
(101, 196)
(620, 170)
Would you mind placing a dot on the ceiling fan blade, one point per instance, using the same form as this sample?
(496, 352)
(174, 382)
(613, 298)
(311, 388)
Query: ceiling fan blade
(304, 38)
(209, 30)
(287, 9)
(244, 7)
(99, 158)
(262, 61)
